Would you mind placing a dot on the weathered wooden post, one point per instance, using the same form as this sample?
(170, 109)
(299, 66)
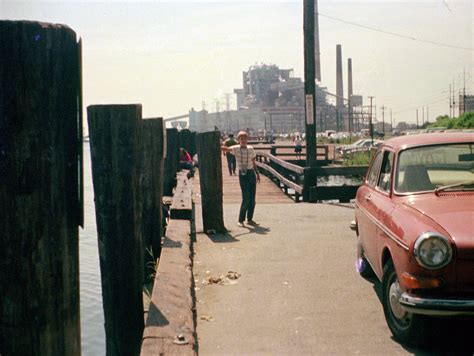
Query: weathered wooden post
(210, 180)
(115, 134)
(171, 161)
(152, 189)
(40, 196)
(187, 140)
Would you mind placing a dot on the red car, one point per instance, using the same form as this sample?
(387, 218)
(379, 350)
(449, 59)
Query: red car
(414, 219)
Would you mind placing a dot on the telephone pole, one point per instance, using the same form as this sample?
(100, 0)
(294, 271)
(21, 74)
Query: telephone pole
(417, 119)
(371, 127)
(309, 83)
(383, 119)
(423, 117)
(391, 120)
(450, 103)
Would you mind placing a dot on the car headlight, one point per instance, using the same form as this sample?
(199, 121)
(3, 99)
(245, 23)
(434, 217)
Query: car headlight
(432, 250)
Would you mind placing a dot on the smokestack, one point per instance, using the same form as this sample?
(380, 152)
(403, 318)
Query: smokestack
(339, 82)
(349, 78)
(317, 52)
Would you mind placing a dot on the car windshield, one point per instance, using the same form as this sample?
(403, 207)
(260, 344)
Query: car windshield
(424, 169)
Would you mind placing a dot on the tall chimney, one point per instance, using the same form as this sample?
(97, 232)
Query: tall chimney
(349, 78)
(339, 82)
(317, 52)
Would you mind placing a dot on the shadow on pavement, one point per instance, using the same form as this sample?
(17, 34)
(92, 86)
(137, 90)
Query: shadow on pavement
(222, 238)
(451, 336)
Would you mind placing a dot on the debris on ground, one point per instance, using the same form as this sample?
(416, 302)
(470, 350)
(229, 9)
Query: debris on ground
(233, 275)
(229, 278)
(207, 318)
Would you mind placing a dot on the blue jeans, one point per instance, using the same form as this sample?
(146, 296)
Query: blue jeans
(248, 185)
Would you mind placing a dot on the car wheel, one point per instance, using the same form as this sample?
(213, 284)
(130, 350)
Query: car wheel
(406, 327)
(363, 266)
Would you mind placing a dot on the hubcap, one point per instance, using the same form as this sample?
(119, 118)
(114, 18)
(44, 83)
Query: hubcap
(394, 295)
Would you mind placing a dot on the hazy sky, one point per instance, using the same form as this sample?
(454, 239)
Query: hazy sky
(172, 55)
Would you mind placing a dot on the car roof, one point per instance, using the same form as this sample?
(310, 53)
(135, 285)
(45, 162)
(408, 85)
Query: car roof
(426, 139)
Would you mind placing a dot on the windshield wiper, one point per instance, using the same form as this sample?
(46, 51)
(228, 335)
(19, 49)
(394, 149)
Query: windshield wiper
(444, 187)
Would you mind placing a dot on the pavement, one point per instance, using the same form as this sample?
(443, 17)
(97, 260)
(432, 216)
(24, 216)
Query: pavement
(298, 292)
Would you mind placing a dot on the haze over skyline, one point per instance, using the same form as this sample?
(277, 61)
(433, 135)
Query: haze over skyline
(170, 56)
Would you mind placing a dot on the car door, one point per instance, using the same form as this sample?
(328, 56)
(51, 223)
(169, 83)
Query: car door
(383, 205)
(367, 210)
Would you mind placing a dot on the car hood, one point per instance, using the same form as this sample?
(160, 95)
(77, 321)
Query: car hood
(452, 212)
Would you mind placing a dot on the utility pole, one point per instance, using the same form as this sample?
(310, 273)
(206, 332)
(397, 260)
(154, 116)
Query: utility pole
(391, 120)
(383, 119)
(450, 102)
(427, 114)
(454, 101)
(371, 127)
(309, 83)
(417, 119)
(423, 117)
(321, 119)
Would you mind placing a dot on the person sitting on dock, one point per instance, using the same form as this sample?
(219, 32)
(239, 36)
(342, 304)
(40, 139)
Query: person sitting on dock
(231, 163)
(248, 176)
(186, 162)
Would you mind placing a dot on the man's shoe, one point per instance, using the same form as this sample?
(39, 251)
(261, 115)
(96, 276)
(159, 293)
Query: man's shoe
(240, 224)
(253, 223)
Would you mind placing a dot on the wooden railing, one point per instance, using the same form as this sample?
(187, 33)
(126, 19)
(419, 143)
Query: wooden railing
(299, 182)
(289, 177)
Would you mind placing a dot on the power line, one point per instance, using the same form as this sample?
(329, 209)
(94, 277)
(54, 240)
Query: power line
(415, 107)
(397, 34)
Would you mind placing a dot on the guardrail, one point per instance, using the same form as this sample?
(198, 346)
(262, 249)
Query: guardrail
(299, 182)
(289, 177)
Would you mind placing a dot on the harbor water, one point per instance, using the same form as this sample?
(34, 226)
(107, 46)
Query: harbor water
(92, 314)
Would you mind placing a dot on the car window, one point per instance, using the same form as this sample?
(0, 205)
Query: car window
(386, 171)
(423, 169)
(374, 170)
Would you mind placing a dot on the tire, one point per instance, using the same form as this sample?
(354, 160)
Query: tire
(408, 328)
(362, 265)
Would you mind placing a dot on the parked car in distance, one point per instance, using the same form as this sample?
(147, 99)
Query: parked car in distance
(414, 219)
(359, 145)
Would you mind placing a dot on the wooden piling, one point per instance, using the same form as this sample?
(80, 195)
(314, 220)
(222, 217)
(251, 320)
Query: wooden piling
(115, 140)
(40, 195)
(210, 180)
(187, 140)
(171, 161)
(152, 190)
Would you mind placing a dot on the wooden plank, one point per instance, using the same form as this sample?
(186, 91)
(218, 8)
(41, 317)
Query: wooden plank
(297, 188)
(182, 204)
(171, 308)
(115, 139)
(39, 198)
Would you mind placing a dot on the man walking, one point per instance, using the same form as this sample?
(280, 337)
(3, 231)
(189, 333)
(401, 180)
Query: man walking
(248, 176)
(231, 164)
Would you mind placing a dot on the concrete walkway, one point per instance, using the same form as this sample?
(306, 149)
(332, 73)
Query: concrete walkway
(298, 293)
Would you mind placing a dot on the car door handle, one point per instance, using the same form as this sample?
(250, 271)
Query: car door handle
(368, 197)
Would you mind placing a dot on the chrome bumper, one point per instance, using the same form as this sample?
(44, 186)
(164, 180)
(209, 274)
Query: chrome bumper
(437, 307)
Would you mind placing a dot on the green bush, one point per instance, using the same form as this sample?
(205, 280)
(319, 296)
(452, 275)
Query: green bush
(359, 158)
(465, 121)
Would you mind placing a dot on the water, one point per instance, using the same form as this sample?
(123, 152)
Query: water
(331, 181)
(92, 314)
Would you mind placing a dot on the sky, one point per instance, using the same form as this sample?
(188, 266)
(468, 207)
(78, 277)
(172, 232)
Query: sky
(171, 56)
